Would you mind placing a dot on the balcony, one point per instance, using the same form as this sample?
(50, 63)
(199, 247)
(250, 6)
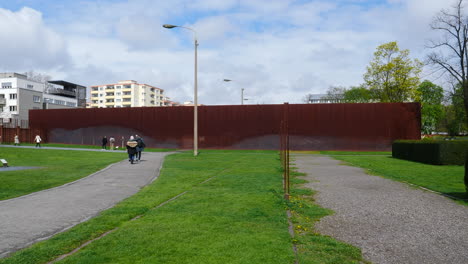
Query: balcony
(2, 101)
(61, 92)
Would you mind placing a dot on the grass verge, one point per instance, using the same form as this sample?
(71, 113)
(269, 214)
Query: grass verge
(445, 179)
(313, 247)
(57, 167)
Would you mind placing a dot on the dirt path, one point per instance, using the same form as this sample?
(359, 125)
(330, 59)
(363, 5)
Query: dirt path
(390, 221)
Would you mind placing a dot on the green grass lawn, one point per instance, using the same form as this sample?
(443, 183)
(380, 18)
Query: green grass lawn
(57, 168)
(444, 179)
(237, 216)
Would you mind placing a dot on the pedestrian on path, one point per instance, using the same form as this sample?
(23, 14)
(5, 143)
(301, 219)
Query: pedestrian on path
(131, 149)
(111, 142)
(140, 147)
(38, 140)
(104, 143)
(17, 140)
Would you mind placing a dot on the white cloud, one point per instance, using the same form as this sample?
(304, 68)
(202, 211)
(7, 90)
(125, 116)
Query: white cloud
(28, 44)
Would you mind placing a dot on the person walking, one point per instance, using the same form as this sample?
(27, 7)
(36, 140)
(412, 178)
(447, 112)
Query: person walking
(38, 140)
(131, 149)
(16, 140)
(104, 143)
(140, 147)
(111, 142)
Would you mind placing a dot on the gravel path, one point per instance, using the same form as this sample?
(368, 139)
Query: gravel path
(390, 221)
(37, 216)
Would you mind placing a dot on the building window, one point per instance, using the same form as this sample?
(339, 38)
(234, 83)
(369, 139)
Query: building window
(95, 89)
(95, 101)
(118, 100)
(13, 96)
(109, 100)
(36, 99)
(12, 108)
(118, 87)
(127, 86)
(101, 95)
(101, 88)
(118, 93)
(6, 85)
(127, 93)
(94, 95)
(109, 94)
(127, 100)
(71, 104)
(30, 86)
(2, 96)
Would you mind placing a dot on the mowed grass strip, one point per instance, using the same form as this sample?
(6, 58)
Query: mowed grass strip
(444, 179)
(57, 168)
(236, 217)
(313, 247)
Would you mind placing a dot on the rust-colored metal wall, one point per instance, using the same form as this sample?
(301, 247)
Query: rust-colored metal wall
(311, 126)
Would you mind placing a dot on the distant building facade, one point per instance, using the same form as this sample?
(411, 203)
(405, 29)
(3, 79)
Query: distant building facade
(19, 94)
(127, 93)
(323, 99)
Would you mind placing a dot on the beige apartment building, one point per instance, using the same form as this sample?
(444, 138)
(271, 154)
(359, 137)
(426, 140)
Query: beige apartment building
(126, 94)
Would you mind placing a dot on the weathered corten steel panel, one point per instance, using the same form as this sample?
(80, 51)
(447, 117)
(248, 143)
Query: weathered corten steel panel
(311, 126)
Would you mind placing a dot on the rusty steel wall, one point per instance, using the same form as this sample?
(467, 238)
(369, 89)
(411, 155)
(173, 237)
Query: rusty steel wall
(311, 126)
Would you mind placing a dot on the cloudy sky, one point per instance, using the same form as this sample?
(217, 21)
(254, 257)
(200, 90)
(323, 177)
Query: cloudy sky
(277, 50)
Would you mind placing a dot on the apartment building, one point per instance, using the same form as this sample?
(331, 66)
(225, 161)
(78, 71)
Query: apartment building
(127, 93)
(18, 95)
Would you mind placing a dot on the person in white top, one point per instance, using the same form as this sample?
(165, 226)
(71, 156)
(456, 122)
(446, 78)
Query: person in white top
(38, 140)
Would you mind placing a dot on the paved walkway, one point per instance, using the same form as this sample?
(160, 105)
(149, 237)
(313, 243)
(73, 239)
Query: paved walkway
(390, 221)
(37, 216)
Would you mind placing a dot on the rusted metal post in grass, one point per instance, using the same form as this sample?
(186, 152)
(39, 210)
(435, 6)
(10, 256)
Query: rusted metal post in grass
(284, 150)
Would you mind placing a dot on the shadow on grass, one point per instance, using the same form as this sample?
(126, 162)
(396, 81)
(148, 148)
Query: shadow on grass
(459, 195)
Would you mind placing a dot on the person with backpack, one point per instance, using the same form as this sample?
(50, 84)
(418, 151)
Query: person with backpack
(140, 147)
(131, 149)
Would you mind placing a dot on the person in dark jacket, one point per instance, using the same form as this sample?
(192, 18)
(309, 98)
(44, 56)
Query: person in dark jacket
(131, 149)
(104, 142)
(140, 147)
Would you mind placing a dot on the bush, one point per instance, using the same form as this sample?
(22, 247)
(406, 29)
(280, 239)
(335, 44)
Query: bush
(437, 152)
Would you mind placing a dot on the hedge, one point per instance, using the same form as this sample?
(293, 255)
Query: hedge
(437, 152)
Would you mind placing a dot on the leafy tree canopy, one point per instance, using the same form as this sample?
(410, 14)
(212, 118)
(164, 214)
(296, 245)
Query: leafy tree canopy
(392, 75)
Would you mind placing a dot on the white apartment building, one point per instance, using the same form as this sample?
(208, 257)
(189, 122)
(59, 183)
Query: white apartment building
(127, 93)
(18, 95)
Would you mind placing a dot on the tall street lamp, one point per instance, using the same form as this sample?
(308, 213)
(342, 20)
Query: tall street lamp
(242, 91)
(195, 87)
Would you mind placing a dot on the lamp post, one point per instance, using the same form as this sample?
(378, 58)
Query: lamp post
(242, 91)
(195, 87)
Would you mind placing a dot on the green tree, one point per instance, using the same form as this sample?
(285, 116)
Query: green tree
(451, 52)
(392, 75)
(430, 96)
(357, 94)
(456, 115)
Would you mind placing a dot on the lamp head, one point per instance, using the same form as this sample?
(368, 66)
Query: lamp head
(169, 26)
(227, 80)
